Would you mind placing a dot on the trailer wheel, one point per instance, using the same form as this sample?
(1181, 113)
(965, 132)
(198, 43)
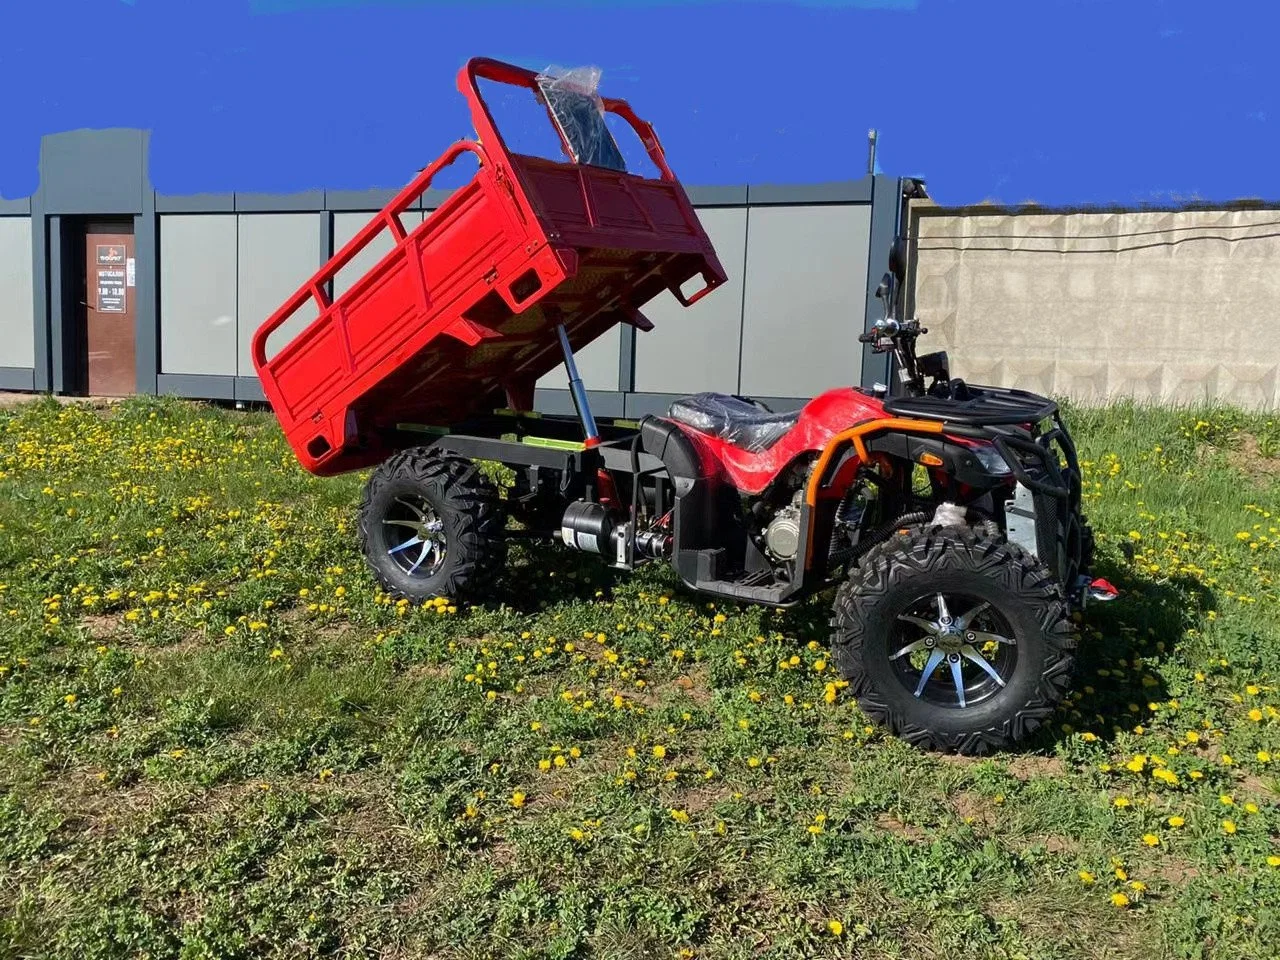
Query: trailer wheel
(953, 638)
(431, 525)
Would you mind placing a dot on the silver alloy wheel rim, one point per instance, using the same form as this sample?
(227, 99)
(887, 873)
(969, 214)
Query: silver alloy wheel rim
(415, 536)
(963, 643)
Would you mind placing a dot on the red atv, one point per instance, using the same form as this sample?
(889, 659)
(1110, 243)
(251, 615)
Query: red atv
(947, 514)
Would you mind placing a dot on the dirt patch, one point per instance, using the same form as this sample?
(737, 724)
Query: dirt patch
(890, 823)
(100, 626)
(1027, 767)
(1175, 871)
(696, 684)
(102, 809)
(703, 797)
(187, 645)
(1053, 843)
(974, 808)
(1257, 786)
(417, 672)
(1249, 460)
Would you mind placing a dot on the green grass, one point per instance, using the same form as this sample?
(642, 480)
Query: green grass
(217, 739)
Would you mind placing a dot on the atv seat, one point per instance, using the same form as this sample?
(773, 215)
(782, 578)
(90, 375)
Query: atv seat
(744, 423)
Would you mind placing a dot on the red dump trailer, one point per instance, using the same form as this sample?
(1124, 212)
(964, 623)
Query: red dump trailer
(461, 316)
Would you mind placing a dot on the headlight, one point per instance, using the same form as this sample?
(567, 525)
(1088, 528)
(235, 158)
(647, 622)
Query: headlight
(991, 459)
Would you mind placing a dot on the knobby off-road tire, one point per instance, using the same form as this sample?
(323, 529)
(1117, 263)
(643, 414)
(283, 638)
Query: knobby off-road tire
(911, 567)
(469, 514)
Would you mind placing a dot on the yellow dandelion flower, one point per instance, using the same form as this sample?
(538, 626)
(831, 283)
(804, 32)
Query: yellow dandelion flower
(1175, 821)
(1151, 840)
(1228, 826)
(1086, 877)
(517, 799)
(659, 751)
(1119, 900)
(835, 927)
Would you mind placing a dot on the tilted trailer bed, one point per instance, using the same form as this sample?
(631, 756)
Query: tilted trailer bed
(466, 312)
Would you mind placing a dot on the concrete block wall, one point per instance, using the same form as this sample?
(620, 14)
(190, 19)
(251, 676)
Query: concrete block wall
(1169, 306)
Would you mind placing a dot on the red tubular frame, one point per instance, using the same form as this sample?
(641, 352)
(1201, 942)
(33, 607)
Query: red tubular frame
(388, 219)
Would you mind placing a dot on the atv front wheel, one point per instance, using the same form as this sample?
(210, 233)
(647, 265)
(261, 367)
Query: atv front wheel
(953, 638)
(431, 525)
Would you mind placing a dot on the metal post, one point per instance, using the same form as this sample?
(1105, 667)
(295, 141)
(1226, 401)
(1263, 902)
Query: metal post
(577, 390)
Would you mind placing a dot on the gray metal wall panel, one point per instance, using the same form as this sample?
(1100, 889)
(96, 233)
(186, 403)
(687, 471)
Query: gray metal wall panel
(196, 203)
(597, 365)
(278, 253)
(358, 199)
(723, 196)
(17, 378)
(845, 191)
(697, 348)
(17, 333)
(94, 171)
(805, 298)
(198, 294)
(249, 389)
(346, 226)
(280, 202)
(196, 385)
(560, 402)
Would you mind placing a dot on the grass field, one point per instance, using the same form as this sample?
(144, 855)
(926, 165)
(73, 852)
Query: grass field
(217, 739)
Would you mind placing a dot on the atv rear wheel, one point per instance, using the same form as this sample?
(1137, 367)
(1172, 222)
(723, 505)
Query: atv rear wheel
(431, 525)
(953, 638)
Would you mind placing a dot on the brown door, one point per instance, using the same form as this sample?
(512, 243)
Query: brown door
(109, 304)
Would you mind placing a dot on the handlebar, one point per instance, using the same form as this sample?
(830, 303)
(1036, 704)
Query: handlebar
(889, 327)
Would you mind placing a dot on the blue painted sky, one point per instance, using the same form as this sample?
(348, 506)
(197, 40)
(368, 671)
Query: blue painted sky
(1055, 101)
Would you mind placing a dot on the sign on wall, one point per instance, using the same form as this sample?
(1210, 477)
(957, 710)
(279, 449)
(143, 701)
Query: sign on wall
(111, 278)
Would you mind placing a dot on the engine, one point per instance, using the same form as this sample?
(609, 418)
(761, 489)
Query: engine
(782, 535)
(777, 515)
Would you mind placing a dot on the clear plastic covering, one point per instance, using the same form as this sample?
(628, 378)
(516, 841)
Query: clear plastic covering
(571, 96)
(743, 423)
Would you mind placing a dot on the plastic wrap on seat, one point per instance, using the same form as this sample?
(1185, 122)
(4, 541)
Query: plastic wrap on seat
(579, 114)
(733, 419)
